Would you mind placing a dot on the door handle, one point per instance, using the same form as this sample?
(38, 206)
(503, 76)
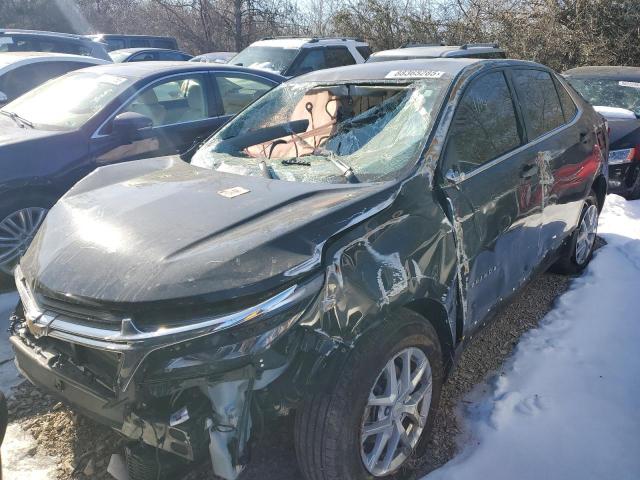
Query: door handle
(529, 171)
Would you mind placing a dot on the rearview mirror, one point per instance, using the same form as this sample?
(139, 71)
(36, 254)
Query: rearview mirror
(131, 125)
(3, 98)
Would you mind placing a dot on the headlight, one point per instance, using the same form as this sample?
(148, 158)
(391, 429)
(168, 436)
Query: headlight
(626, 155)
(213, 352)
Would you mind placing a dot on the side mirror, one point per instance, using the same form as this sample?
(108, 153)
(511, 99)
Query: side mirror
(131, 126)
(3, 99)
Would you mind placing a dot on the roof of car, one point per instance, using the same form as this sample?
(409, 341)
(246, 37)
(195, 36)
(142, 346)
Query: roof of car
(141, 70)
(299, 42)
(408, 69)
(132, 35)
(435, 51)
(11, 58)
(617, 73)
(18, 31)
(145, 49)
(16, 56)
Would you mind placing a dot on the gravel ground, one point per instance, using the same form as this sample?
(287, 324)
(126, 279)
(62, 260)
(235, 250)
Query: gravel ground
(85, 447)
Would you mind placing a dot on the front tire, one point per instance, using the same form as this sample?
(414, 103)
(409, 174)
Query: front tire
(17, 230)
(370, 423)
(578, 252)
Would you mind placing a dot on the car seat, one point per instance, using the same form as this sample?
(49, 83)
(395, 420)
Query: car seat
(147, 104)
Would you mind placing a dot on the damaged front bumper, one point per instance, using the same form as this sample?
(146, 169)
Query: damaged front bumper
(185, 388)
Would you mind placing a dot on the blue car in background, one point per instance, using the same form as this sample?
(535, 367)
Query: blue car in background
(56, 134)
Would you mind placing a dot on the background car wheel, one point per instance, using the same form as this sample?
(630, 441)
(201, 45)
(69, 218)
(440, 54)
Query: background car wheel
(579, 250)
(380, 410)
(17, 230)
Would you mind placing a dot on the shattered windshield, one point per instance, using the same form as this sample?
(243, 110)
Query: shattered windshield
(609, 93)
(313, 132)
(276, 59)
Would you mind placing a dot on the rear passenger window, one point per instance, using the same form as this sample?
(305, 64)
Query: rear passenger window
(338, 56)
(116, 43)
(139, 42)
(539, 101)
(163, 44)
(170, 56)
(484, 125)
(236, 92)
(568, 107)
(364, 51)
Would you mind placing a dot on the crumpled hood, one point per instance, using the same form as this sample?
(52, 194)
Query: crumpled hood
(160, 229)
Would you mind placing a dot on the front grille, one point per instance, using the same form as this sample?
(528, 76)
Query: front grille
(82, 314)
(101, 365)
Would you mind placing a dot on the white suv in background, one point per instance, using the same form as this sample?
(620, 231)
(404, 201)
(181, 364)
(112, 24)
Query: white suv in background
(292, 56)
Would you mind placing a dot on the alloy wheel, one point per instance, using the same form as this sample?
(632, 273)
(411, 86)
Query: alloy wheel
(586, 234)
(396, 412)
(16, 233)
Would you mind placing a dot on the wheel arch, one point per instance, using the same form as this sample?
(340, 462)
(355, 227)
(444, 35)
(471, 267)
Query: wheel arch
(599, 186)
(25, 196)
(437, 315)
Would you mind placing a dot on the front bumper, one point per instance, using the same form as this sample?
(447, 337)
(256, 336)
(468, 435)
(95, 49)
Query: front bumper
(42, 368)
(171, 387)
(50, 371)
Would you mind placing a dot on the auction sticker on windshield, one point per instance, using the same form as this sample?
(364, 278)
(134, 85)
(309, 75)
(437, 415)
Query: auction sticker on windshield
(414, 74)
(629, 84)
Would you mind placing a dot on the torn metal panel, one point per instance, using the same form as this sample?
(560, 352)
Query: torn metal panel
(230, 430)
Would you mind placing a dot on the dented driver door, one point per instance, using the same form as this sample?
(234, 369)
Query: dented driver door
(490, 189)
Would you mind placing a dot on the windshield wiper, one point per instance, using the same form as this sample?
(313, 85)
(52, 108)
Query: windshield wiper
(347, 171)
(21, 122)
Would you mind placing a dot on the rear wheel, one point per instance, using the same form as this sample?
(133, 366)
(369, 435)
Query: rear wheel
(579, 250)
(381, 409)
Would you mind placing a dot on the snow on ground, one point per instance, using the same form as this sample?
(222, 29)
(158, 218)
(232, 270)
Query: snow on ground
(566, 405)
(20, 458)
(19, 452)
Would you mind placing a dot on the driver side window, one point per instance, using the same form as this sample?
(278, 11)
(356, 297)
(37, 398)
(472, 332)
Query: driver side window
(484, 126)
(172, 101)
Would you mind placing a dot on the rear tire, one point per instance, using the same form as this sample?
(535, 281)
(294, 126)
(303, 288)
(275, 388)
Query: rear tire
(330, 438)
(577, 253)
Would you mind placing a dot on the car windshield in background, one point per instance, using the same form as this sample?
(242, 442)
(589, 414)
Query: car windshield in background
(68, 102)
(312, 132)
(277, 59)
(118, 56)
(609, 92)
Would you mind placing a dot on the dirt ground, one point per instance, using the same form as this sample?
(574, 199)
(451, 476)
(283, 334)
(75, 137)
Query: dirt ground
(85, 447)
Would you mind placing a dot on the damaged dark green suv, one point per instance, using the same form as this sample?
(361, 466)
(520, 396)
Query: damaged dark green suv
(329, 251)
